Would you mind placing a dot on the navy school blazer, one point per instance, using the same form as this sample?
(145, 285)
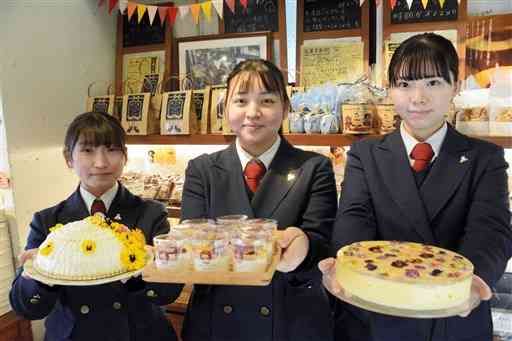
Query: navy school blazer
(107, 312)
(297, 190)
(462, 206)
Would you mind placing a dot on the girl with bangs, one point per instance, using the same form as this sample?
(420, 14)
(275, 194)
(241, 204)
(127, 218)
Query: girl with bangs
(425, 183)
(262, 176)
(95, 149)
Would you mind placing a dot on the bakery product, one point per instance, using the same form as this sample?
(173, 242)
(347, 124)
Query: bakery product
(89, 249)
(404, 275)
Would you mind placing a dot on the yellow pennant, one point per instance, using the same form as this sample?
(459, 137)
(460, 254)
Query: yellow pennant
(141, 9)
(441, 3)
(207, 9)
(194, 10)
(425, 3)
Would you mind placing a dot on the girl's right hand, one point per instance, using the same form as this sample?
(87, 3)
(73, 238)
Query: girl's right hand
(24, 256)
(328, 269)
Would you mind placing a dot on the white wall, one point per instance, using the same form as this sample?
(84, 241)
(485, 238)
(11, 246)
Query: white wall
(51, 51)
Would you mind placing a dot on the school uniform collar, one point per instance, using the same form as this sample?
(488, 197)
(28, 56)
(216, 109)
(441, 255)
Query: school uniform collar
(436, 140)
(266, 157)
(107, 197)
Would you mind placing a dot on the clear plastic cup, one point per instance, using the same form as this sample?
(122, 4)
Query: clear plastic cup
(251, 251)
(210, 250)
(231, 223)
(171, 252)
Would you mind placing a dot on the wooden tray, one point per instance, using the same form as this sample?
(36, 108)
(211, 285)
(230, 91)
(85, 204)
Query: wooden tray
(152, 274)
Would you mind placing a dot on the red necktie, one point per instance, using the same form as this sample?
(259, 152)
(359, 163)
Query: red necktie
(98, 206)
(254, 172)
(421, 154)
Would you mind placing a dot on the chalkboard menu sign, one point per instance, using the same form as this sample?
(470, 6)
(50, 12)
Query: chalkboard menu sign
(137, 34)
(260, 15)
(328, 15)
(401, 14)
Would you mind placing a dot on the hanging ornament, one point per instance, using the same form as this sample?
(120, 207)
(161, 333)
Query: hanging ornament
(173, 12)
(184, 11)
(122, 6)
(194, 9)
(231, 5)
(219, 6)
(100, 3)
(207, 10)
(243, 3)
(131, 9)
(441, 3)
(162, 14)
(141, 9)
(409, 4)
(111, 5)
(424, 3)
(392, 3)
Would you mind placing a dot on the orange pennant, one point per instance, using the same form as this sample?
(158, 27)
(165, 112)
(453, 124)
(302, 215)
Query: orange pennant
(244, 3)
(141, 9)
(173, 12)
(111, 5)
(162, 14)
(194, 10)
(131, 9)
(231, 5)
(392, 3)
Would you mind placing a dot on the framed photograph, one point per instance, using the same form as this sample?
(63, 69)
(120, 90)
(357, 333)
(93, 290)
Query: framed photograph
(208, 60)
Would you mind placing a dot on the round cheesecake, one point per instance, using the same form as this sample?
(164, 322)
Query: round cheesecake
(404, 275)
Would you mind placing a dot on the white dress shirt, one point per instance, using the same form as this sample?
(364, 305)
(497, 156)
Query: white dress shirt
(266, 157)
(436, 141)
(107, 197)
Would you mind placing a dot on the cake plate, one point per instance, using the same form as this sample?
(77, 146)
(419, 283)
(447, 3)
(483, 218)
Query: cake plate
(29, 269)
(471, 303)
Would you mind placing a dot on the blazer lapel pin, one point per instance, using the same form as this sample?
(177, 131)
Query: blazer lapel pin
(463, 159)
(290, 177)
(117, 217)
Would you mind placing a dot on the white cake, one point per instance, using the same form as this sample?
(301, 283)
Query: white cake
(404, 275)
(88, 249)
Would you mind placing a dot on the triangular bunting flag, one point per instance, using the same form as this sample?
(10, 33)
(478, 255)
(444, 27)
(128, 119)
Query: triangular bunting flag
(424, 3)
(122, 5)
(131, 9)
(409, 4)
(231, 5)
(207, 9)
(194, 10)
(173, 11)
(111, 5)
(141, 9)
(441, 3)
(162, 13)
(243, 3)
(152, 12)
(219, 6)
(392, 3)
(184, 11)
(361, 2)
(100, 3)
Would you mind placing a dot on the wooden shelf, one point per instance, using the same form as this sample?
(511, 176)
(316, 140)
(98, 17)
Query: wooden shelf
(174, 211)
(296, 139)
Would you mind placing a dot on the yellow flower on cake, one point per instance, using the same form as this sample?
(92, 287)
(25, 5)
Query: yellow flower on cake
(46, 249)
(88, 247)
(133, 258)
(56, 227)
(138, 235)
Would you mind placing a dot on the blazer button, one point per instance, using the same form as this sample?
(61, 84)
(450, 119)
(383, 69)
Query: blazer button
(34, 300)
(116, 305)
(151, 293)
(228, 309)
(84, 309)
(264, 311)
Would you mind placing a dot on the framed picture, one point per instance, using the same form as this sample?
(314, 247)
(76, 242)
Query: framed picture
(138, 66)
(208, 60)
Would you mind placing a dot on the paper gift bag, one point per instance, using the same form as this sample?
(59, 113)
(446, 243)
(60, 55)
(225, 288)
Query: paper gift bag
(178, 116)
(136, 117)
(201, 104)
(217, 124)
(104, 103)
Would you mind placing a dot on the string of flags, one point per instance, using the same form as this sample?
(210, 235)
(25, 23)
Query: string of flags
(170, 13)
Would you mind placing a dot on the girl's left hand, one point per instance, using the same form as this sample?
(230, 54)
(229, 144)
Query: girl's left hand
(480, 289)
(295, 246)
